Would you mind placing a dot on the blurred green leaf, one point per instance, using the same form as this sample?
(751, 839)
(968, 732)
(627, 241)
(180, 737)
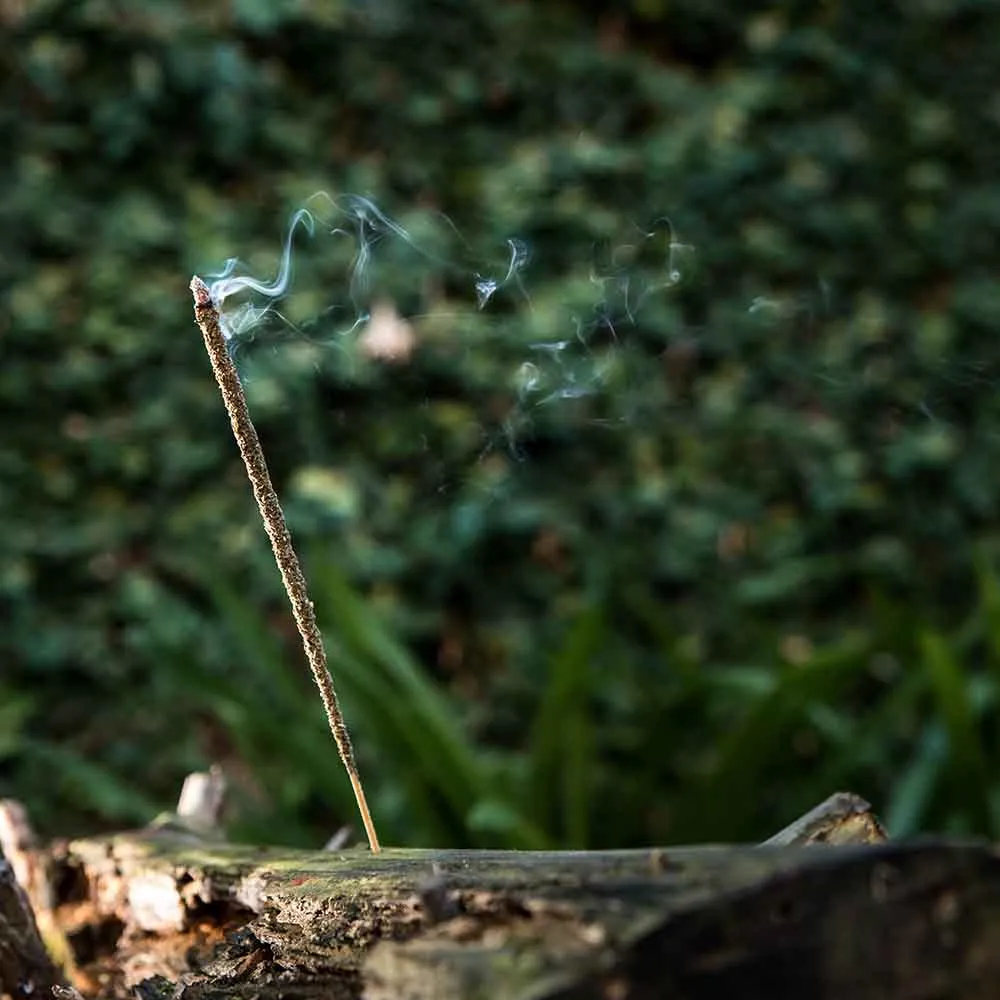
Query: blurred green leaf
(15, 710)
(562, 745)
(906, 810)
(969, 773)
(92, 786)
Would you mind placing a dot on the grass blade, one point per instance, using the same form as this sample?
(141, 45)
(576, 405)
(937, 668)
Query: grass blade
(968, 766)
(562, 743)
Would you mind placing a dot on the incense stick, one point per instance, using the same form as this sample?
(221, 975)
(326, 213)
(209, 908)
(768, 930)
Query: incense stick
(207, 317)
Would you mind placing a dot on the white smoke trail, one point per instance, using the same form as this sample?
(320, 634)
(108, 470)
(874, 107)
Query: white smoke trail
(567, 353)
(226, 286)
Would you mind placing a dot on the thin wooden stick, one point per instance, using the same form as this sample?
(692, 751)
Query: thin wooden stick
(207, 317)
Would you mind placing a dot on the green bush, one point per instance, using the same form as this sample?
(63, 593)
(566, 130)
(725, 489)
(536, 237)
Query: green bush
(714, 533)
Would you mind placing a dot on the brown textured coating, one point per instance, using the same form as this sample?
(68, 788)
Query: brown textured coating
(207, 317)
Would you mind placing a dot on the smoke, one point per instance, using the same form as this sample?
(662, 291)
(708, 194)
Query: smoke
(359, 224)
(535, 353)
(351, 277)
(503, 354)
(226, 286)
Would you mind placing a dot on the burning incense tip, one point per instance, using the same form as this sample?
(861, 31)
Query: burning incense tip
(202, 296)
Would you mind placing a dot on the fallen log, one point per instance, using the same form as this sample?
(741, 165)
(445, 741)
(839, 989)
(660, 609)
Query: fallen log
(173, 911)
(25, 965)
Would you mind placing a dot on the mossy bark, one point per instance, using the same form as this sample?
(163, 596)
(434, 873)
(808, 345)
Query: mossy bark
(897, 921)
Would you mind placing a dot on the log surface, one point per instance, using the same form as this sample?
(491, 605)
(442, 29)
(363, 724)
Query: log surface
(26, 970)
(892, 921)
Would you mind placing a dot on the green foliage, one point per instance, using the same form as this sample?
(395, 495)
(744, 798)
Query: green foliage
(728, 548)
(605, 759)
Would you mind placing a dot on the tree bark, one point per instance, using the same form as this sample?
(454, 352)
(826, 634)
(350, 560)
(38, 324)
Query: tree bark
(26, 970)
(892, 921)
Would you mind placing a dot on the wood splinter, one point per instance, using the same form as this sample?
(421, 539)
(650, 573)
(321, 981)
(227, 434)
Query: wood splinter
(202, 798)
(843, 818)
(210, 324)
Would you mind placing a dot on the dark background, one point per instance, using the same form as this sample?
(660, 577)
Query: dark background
(691, 524)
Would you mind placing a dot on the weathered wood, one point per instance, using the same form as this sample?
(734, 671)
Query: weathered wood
(26, 970)
(890, 921)
(19, 845)
(844, 818)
